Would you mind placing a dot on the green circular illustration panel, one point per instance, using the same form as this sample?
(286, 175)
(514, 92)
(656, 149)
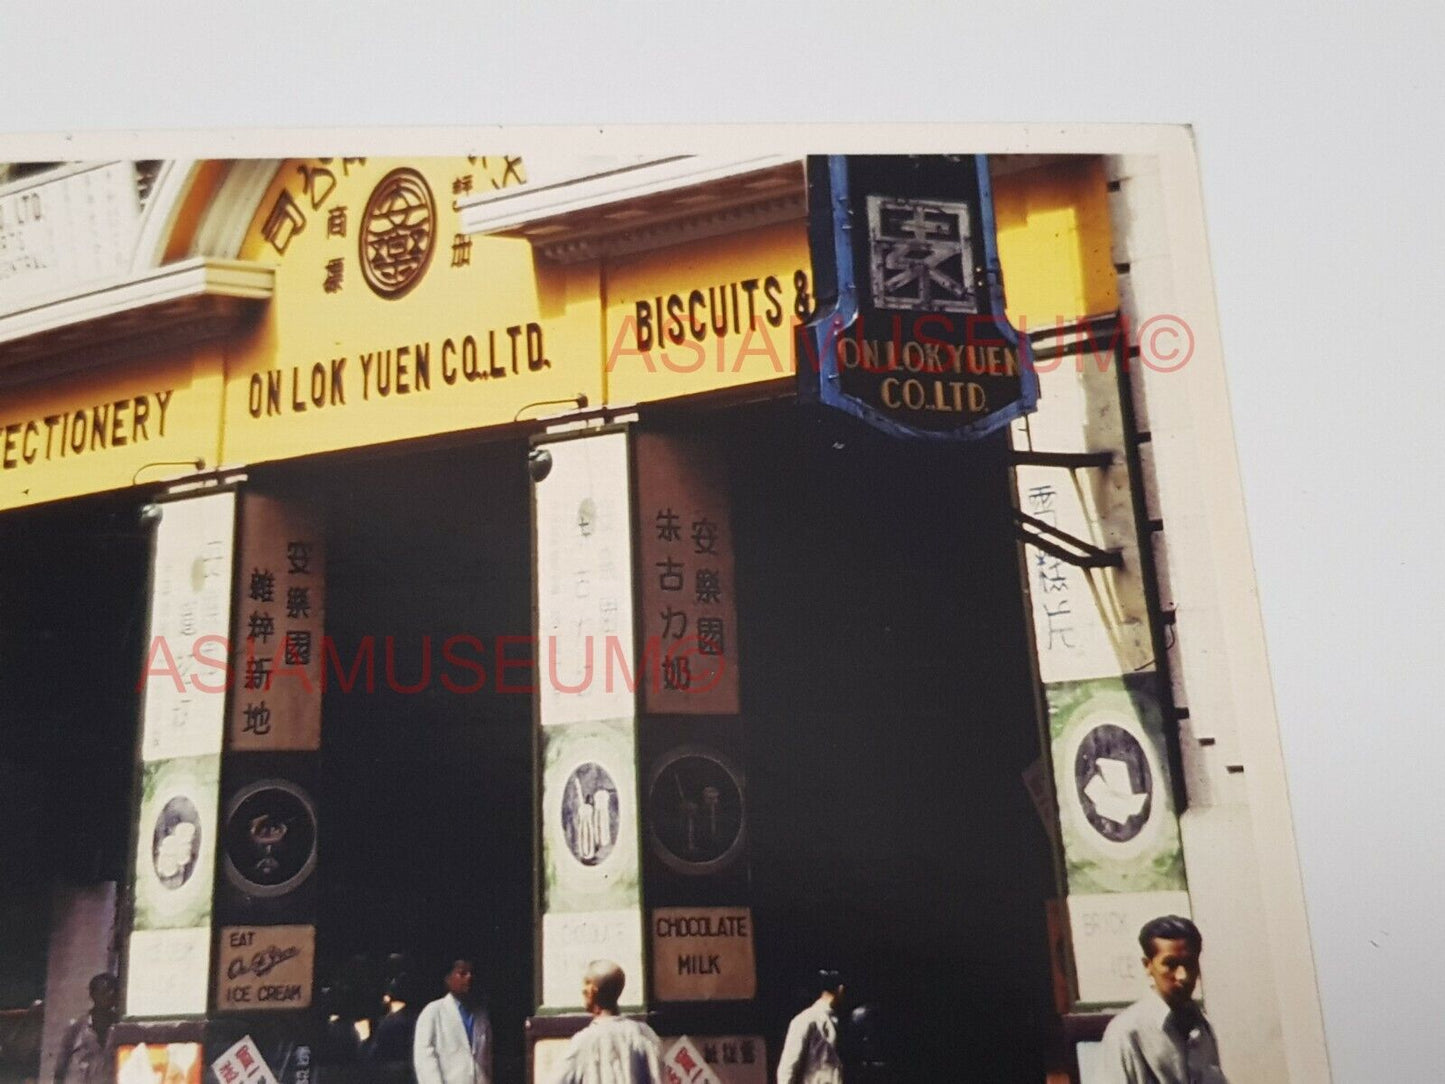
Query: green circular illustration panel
(1111, 775)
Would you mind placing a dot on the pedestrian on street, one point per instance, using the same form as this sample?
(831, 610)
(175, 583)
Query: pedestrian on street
(453, 1037)
(1163, 1038)
(810, 1051)
(611, 1049)
(83, 1052)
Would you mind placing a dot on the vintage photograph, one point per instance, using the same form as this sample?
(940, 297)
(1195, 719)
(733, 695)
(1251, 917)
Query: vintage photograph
(571, 607)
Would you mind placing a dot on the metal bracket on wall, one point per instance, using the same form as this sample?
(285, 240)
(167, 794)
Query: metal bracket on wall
(1046, 536)
(1071, 460)
(1064, 546)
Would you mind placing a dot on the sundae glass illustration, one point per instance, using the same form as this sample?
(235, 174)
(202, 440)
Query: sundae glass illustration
(266, 833)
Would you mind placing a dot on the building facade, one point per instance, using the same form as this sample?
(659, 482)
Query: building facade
(416, 558)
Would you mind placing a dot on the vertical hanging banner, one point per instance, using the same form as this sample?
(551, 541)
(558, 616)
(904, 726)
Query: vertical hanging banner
(910, 334)
(688, 621)
(190, 615)
(172, 871)
(585, 652)
(280, 623)
(266, 894)
(694, 794)
(591, 899)
(1093, 637)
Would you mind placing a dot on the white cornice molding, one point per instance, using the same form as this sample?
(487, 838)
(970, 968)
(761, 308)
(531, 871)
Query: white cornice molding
(696, 226)
(57, 173)
(643, 206)
(223, 229)
(172, 186)
(203, 296)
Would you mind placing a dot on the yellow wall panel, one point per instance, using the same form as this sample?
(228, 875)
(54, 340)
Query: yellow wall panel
(101, 429)
(707, 315)
(1054, 244)
(388, 323)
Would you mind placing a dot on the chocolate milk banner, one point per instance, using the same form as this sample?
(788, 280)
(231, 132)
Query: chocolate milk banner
(909, 333)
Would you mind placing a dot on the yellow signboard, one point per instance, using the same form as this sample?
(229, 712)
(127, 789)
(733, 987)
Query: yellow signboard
(706, 315)
(106, 429)
(260, 968)
(703, 954)
(389, 323)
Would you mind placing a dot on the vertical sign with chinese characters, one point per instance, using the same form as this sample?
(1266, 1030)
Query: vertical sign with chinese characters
(172, 872)
(268, 829)
(280, 621)
(694, 789)
(1093, 638)
(688, 613)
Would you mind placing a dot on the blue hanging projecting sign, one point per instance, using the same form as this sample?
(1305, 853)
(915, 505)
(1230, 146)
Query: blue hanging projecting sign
(909, 333)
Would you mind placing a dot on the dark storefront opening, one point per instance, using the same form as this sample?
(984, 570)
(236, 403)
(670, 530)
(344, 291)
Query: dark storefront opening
(889, 714)
(73, 589)
(425, 792)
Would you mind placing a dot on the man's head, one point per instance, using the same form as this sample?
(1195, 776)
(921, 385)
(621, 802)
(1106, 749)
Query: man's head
(602, 985)
(830, 987)
(104, 989)
(459, 978)
(1171, 947)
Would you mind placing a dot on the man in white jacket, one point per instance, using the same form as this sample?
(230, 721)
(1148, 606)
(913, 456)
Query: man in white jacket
(810, 1051)
(453, 1038)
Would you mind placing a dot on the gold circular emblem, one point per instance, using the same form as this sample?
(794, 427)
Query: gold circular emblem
(398, 233)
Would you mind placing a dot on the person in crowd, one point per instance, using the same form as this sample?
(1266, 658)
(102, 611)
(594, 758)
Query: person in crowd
(611, 1049)
(452, 1040)
(83, 1052)
(1163, 1038)
(810, 1051)
(390, 1047)
(864, 1047)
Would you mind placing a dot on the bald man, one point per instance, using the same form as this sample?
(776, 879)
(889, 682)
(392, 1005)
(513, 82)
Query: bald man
(611, 1049)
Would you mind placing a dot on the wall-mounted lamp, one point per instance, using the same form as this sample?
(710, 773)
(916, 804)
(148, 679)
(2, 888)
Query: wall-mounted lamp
(579, 401)
(194, 464)
(539, 463)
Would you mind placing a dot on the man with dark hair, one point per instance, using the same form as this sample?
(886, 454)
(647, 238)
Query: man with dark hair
(611, 1049)
(810, 1051)
(453, 1038)
(83, 1053)
(1163, 1038)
